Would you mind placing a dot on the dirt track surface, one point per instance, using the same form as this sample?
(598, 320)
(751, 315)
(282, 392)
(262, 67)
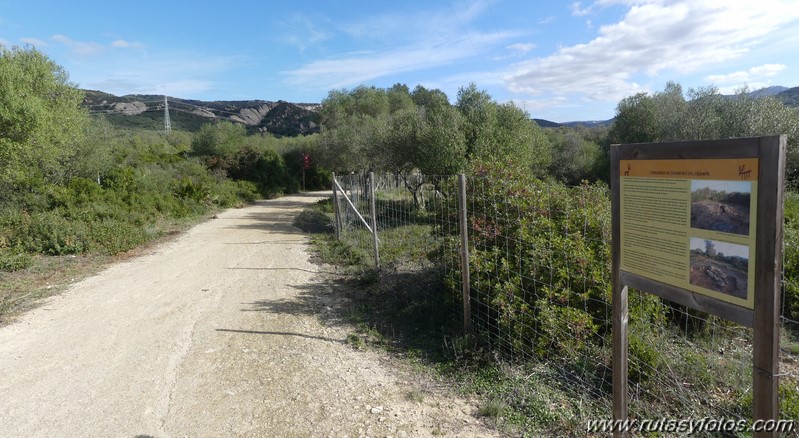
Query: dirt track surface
(226, 331)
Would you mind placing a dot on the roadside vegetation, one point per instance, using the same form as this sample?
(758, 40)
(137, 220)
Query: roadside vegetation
(548, 189)
(76, 191)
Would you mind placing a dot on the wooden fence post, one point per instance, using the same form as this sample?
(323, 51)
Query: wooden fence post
(766, 350)
(620, 307)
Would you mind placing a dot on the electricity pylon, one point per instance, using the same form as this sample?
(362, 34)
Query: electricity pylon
(167, 122)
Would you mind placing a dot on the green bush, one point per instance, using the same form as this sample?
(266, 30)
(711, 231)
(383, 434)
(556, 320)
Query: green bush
(791, 257)
(51, 233)
(11, 260)
(113, 237)
(539, 255)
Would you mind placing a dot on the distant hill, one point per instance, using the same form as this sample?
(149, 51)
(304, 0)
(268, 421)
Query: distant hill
(768, 91)
(589, 123)
(139, 111)
(546, 123)
(789, 97)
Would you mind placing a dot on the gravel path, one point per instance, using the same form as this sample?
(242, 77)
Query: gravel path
(222, 332)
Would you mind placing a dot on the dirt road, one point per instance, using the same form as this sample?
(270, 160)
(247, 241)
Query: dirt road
(225, 331)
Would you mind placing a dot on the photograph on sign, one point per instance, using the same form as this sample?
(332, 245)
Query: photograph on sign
(690, 224)
(721, 205)
(720, 266)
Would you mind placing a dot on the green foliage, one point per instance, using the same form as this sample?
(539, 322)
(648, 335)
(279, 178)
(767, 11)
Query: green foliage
(574, 158)
(40, 118)
(705, 115)
(791, 257)
(557, 236)
(501, 132)
(11, 260)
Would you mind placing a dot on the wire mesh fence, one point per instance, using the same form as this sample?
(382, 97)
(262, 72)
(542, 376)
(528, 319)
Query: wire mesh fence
(539, 291)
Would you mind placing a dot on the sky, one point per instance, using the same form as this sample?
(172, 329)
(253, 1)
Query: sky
(719, 186)
(728, 249)
(559, 60)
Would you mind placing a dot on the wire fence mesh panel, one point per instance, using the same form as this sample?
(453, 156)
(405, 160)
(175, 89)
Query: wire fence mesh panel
(539, 258)
(353, 208)
(540, 294)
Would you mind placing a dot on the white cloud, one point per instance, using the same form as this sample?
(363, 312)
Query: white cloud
(80, 48)
(578, 10)
(432, 39)
(34, 42)
(547, 20)
(356, 69)
(301, 32)
(767, 69)
(534, 105)
(416, 25)
(752, 74)
(175, 74)
(4, 42)
(521, 48)
(652, 37)
(122, 44)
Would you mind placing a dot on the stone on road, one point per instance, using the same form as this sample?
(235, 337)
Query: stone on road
(217, 333)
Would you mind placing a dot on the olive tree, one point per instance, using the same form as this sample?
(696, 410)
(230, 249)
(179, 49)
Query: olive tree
(40, 118)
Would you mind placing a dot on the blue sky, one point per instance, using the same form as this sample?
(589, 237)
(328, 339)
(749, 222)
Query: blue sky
(560, 61)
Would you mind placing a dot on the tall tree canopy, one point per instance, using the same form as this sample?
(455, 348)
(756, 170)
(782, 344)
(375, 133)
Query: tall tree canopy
(40, 117)
(705, 114)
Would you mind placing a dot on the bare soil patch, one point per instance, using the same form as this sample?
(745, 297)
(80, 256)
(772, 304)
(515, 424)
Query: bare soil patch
(718, 276)
(720, 216)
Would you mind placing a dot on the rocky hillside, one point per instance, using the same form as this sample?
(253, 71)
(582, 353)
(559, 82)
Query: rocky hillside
(147, 112)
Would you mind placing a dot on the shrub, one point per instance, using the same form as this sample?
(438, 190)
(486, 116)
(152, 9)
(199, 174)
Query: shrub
(12, 260)
(547, 243)
(540, 259)
(791, 257)
(113, 237)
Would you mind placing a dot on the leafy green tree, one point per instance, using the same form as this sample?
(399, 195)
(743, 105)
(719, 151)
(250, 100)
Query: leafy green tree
(517, 137)
(40, 118)
(636, 120)
(441, 145)
(479, 116)
(426, 98)
(494, 131)
(92, 156)
(574, 158)
(705, 115)
(399, 98)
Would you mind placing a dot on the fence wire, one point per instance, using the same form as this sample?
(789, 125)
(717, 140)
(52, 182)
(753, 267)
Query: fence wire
(540, 293)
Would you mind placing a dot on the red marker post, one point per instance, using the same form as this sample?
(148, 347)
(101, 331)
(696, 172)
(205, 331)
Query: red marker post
(306, 164)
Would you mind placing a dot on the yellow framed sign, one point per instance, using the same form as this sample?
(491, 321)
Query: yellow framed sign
(690, 224)
(700, 224)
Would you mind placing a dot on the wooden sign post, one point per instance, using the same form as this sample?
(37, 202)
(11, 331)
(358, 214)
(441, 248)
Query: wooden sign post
(700, 224)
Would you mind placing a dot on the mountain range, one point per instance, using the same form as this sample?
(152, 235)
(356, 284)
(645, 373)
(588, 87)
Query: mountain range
(144, 111)
(279, 118)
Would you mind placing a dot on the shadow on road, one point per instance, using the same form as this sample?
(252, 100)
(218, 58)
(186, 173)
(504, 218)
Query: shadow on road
(300, 335)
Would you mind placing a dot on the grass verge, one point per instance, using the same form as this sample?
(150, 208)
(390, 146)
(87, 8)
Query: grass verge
(44, 276)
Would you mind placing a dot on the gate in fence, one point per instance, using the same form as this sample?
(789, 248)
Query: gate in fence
(356, 213)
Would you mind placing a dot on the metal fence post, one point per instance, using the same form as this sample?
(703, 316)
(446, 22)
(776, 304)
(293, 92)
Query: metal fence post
(464, 231)
(374, 218)
(337, 218)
